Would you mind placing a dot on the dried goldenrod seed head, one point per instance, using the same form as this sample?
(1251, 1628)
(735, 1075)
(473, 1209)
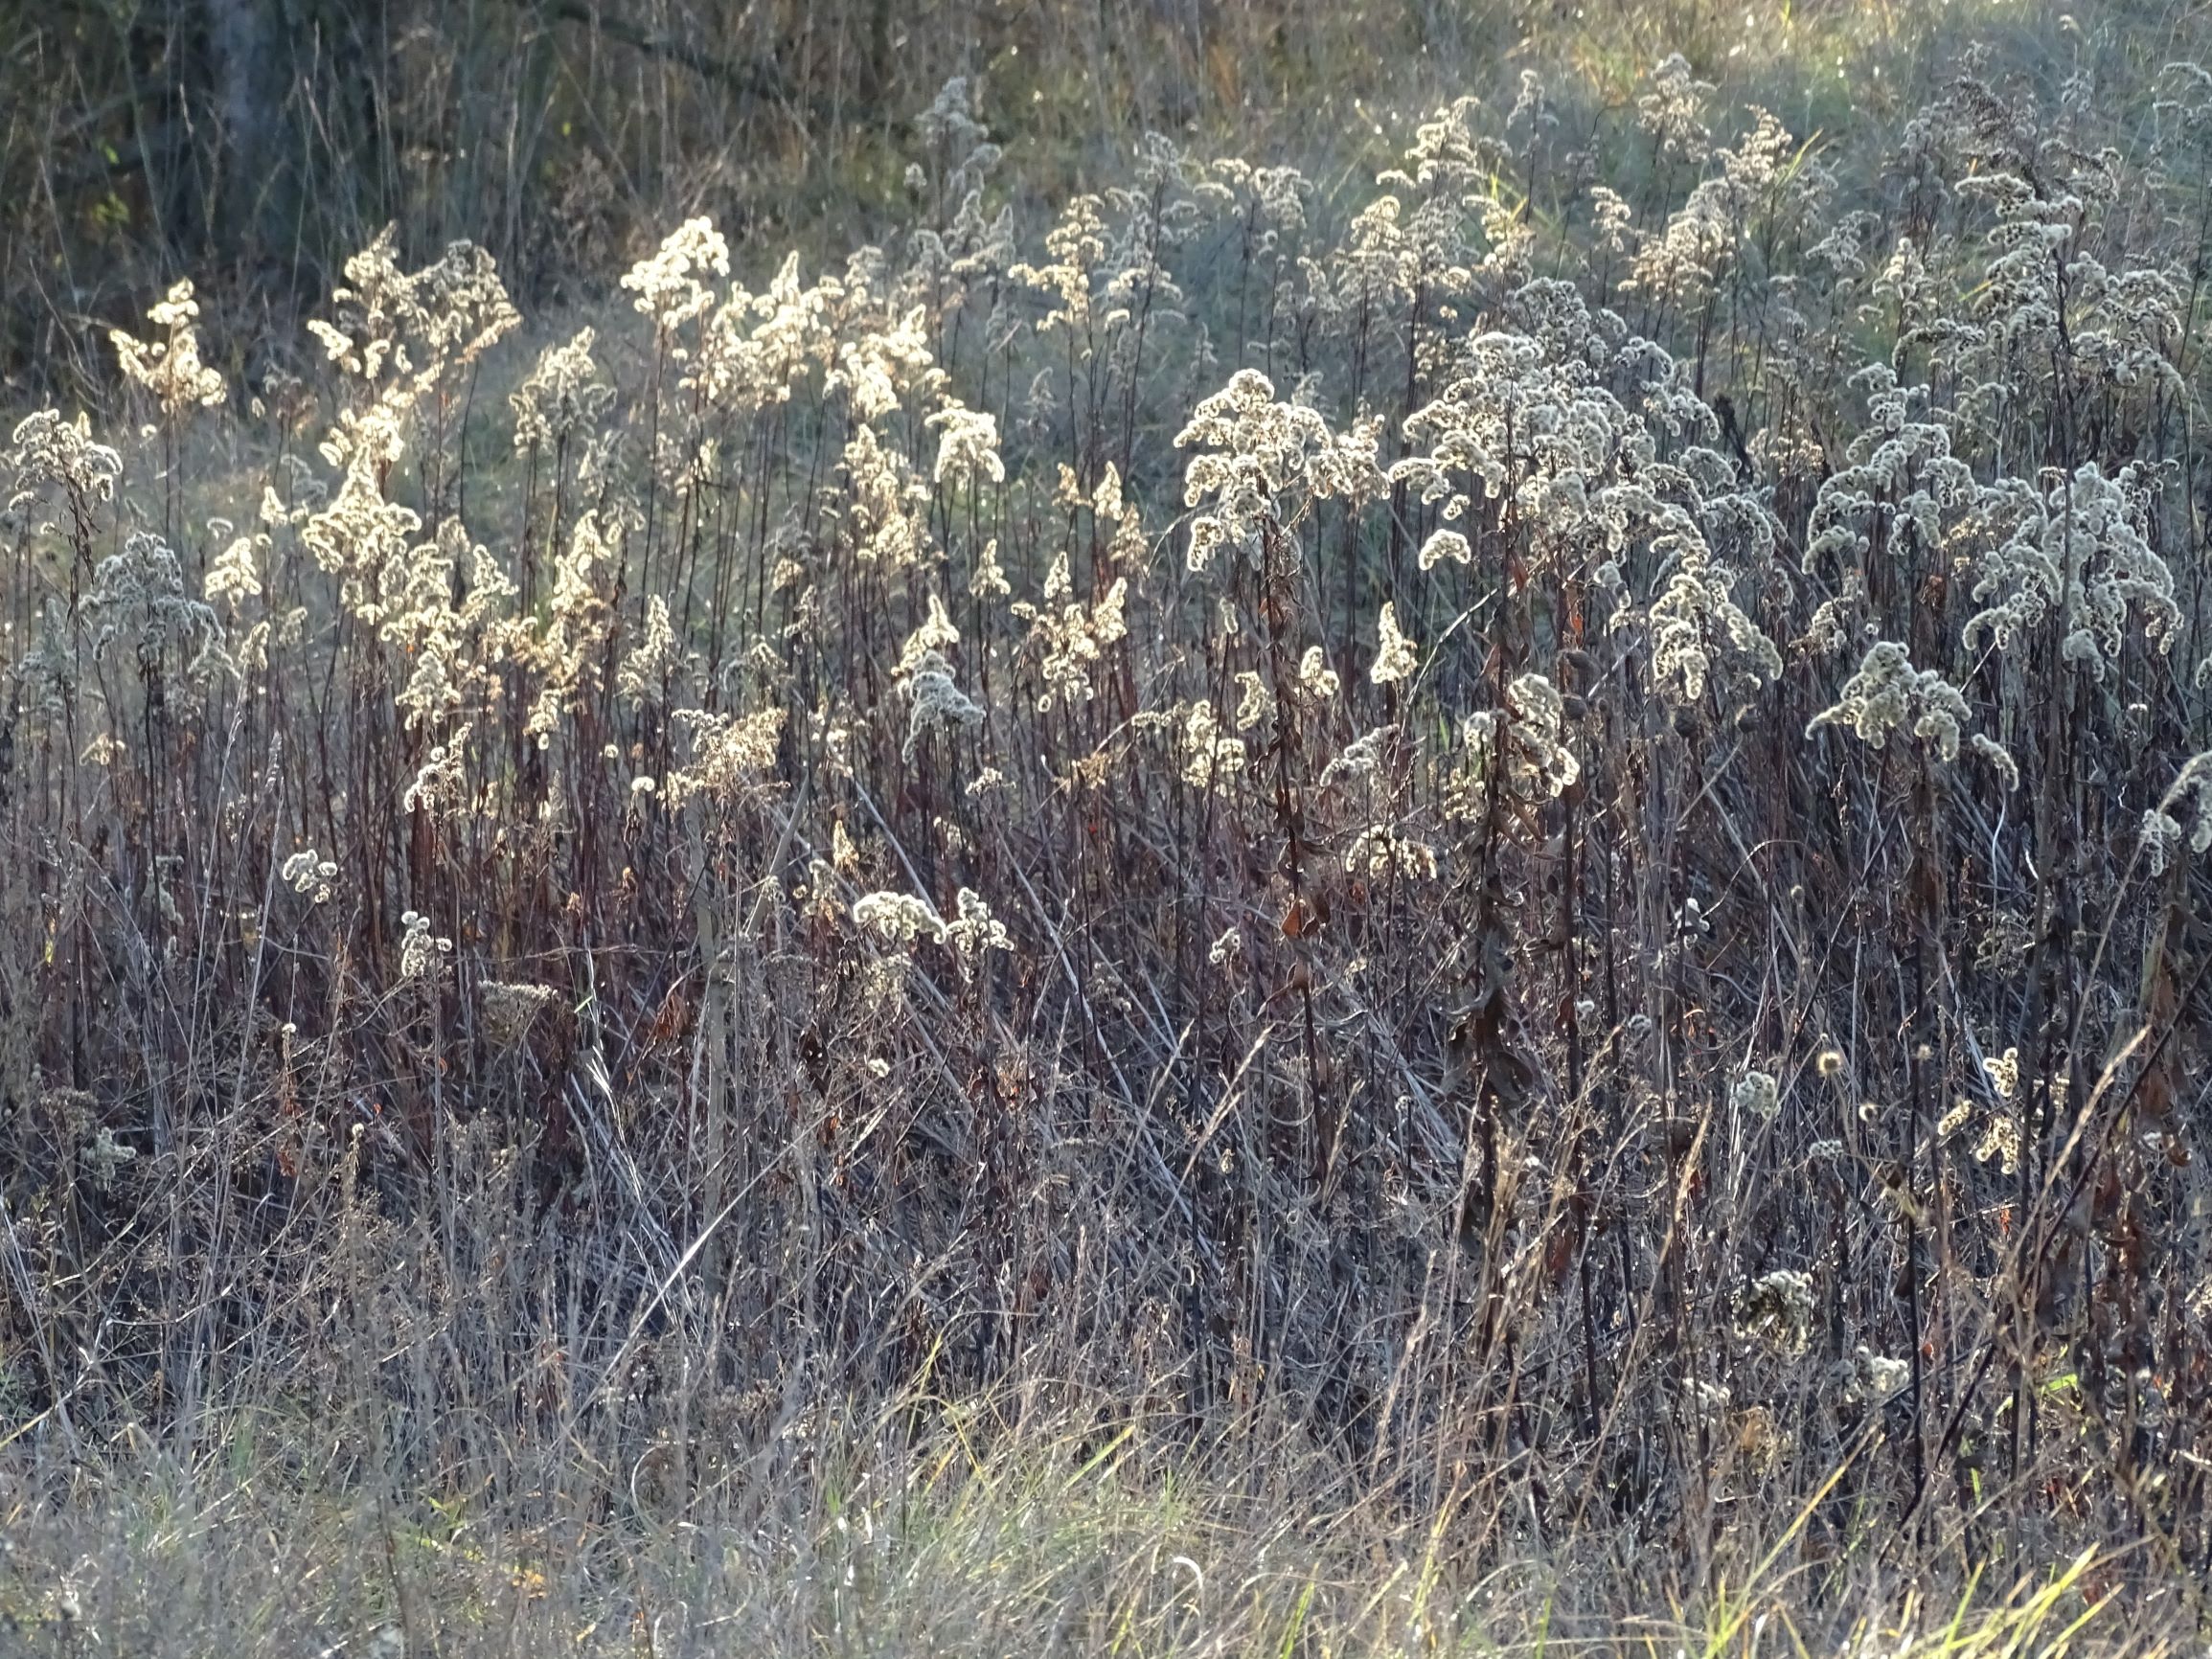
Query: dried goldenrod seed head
(668, 285)
(305, 872)
(170, 368)
(1211, 759)
(1255, 703)
(2162, 830)
(1757, 1094)
(898, 919)
(2001, 1141)
(420, 949)
(1888, 693)
(105, 1158)
(2000, 760)
(508, 1010)
(967, 446)
(1261, 463)
(2160, 834)
(1869, 1378)
(1777, 1310)
(1396, 657)
(1446, 545)
(975, 930)
(562, 396)
(1381, 850)
(2003, 1071)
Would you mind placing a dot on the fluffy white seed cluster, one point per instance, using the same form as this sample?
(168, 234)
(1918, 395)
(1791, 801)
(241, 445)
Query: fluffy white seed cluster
(1211, 756)
(899, 919)
(508, 1010)
(421, 952)
(642, 680)
(936, 699)
(2001, 1141)
(46, 451)
(1446, 545)
(1756, 1094)
(2000, 757)
(1384, 850)
(568, 646)
(1869, 1378)
(1671, 109)
(170, 368)
(885, 503)
(967, 446)
(729, 754)
(1888, 693)
(1396, 657)
(441, 780)
(1696, 622)
(973, 929)
(1360, 758)
(1263, 462)
(1524, 433)
(925, 675)
(669, 286)
(234, 574)
(562, 397)
(2078, 549)
(1902, 480)
(137, 599)
(1317, 682)
(409, 328)
(1255, 703)
(1067, 638)
(308, 874)
(1526, 738)
(1539, 764)
(106, 1157)
(2191, 792)
(2004, 1073)
(1777, 1309)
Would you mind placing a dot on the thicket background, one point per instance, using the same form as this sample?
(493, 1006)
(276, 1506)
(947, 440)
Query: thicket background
(1154, 828)
(253, 145)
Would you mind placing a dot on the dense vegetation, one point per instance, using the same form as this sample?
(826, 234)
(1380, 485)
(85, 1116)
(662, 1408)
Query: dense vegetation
(1439, 907)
